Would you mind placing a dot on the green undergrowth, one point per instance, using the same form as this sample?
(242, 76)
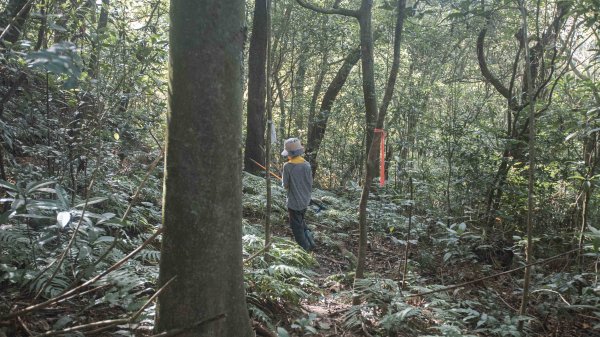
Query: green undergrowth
(41, 218)
(442, 253)
(39, 260)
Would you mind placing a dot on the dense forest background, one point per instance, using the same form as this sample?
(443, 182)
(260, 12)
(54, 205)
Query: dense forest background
(491, 158)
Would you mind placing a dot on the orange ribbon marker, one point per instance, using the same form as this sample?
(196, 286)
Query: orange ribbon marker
(381, 156)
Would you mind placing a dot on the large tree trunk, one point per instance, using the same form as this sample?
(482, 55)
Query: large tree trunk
(257, 88)
(202, 212)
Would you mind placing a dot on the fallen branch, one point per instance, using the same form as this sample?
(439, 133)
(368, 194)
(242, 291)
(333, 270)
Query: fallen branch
(179, 331)
(107, 324)
(139, 312)
(110, 322)
(332, 259)
(131, 203)
(253, 256)
(75, 291)
(492, 276)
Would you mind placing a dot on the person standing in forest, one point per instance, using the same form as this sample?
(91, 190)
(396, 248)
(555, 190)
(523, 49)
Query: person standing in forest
(297, 180)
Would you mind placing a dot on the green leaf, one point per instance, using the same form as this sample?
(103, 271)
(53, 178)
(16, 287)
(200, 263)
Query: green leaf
(8, 185)
(311, 329)
(62, 322)
(281, 332)
(324, 326)
(104, 239)
(447, 256)
(34, 187)
(58, 28)
(4, 217)
(33, 216)
(92, 201)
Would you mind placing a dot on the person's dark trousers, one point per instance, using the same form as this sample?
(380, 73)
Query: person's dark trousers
(298, 228)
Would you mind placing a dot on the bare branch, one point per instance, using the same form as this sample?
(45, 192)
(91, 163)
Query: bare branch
(77, 290)
(461, 285)
(335, 10)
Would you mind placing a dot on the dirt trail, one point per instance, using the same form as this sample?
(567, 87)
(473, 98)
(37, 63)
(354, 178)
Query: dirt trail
(329, 308)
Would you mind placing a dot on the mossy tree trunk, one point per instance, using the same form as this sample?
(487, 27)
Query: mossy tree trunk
(202, 211)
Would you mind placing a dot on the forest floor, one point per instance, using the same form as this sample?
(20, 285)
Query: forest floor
(294, 293)
(326, 310)
(439, 256)
(336, 296)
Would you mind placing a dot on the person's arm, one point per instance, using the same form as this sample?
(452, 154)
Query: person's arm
(285, 177)
(310, 176)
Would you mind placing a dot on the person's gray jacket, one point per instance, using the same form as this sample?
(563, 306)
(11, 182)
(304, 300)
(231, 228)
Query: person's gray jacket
(297, 180)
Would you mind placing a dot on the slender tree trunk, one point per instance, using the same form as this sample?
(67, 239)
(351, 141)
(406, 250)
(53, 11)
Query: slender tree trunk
(202, 213)
(257, 88)
(369, 93)
(41, 38)
(531, 180)
(368, 69)
(368, 74)
(298, 97)
(13, 19)
(323, 67)
(518, 128)
(269, 130)
(93, 67)
(406, 249)
(280, 96)
(63, 19)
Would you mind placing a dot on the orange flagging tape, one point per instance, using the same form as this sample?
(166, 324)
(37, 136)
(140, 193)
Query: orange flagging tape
(381, 156)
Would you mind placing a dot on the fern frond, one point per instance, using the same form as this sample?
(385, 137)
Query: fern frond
(149, 255)
(11, 237)
(353, 318)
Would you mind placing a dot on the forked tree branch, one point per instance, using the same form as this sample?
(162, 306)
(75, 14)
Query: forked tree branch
(334, 10)
(484, 68)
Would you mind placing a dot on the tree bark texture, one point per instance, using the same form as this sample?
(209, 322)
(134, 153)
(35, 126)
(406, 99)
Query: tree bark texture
(257, 88)
(202, 213)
